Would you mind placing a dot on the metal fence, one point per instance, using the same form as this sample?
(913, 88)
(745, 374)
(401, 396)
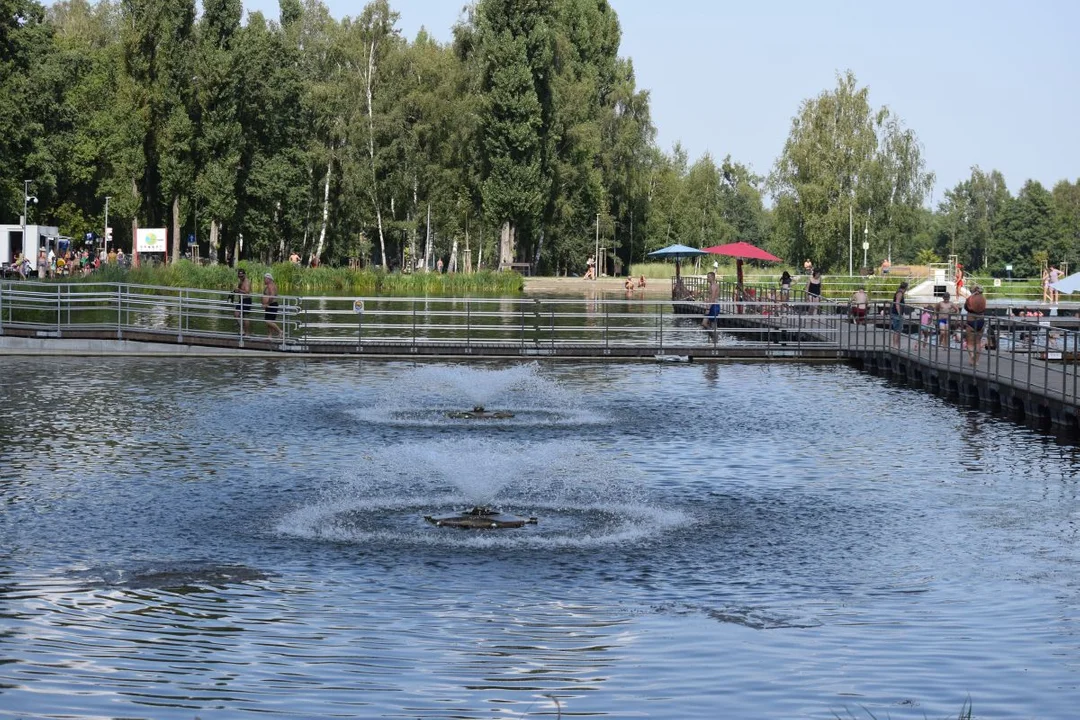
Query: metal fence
(1036, 355)
(334, 323)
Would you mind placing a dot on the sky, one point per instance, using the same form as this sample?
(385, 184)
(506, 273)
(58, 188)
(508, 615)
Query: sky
(993, 83)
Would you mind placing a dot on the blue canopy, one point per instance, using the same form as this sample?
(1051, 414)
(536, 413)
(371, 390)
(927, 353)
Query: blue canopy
(1068, 285)
(677, 252)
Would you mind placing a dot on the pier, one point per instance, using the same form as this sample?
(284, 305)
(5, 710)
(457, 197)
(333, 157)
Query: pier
(1031, 372)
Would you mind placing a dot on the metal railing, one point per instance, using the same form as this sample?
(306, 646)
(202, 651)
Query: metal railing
(1036, 356)
(336, 324)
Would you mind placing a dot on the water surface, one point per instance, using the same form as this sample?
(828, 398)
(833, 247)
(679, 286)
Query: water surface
(230, 538)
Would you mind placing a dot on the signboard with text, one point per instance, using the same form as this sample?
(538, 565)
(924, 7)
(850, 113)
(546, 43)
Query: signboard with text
(150, 240)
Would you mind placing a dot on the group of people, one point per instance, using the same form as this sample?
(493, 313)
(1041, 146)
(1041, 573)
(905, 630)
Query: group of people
(241, 295)
(77, 262)
(938, 320)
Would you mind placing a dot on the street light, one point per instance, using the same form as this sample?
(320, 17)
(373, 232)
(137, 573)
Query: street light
(596, 257)
(106, 233)
(27, 198)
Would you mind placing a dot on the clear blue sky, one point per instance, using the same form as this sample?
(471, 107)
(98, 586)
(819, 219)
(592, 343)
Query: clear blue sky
(994, 83)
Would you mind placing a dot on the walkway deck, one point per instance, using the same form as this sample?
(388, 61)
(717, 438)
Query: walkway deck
(1032, 375)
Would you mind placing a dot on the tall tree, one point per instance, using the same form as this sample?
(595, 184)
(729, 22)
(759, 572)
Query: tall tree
(844, 158)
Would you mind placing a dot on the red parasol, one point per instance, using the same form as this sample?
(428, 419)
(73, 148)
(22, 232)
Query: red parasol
(741, 251)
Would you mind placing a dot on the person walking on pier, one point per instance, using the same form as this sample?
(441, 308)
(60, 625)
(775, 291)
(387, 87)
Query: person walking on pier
(813, 288)
(709, 323)
(242, 292)
(270, 306)
(860, 301)
(896, 312)
(945, 309)
(976, 307)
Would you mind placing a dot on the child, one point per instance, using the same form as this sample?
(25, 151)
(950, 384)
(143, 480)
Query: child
(926, 326)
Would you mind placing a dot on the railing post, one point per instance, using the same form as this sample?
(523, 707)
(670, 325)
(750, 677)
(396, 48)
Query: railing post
(661, 321)
(468, 322)
(180, 318)
(59, 311)
(119, 310)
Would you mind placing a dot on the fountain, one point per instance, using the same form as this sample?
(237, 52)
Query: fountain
(481, 517)
(514, 396)
(479, 413)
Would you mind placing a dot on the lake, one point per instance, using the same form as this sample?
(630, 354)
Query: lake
(245, 538)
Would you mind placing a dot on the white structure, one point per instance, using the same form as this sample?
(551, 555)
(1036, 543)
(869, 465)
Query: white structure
(12, 242)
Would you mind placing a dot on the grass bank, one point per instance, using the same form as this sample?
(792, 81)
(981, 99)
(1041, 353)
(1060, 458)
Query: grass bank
(297, 280)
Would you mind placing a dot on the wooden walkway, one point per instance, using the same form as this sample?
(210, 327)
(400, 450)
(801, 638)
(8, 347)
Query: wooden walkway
(1035, 383)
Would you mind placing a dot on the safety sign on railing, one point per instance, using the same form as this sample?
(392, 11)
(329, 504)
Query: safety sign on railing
(358, 306)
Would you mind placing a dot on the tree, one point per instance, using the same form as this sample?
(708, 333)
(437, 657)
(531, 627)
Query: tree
(1027, 224)
(844, 157)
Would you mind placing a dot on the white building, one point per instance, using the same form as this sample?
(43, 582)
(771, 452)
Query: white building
(37, 237)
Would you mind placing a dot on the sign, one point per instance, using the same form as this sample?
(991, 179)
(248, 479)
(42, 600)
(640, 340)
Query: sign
(190, 239)
(150, 240)
(358, 307)
(997, 282)
(866, 246)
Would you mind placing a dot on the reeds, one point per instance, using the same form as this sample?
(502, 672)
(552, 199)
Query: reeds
(294, 279)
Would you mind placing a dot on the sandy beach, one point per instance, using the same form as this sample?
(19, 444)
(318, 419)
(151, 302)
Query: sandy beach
(605, 286)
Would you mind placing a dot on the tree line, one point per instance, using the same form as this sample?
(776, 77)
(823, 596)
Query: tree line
(525, 139)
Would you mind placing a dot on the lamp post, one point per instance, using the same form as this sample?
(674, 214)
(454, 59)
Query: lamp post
(596, 257)
(27, 198)
(866, 243)
(106, 233)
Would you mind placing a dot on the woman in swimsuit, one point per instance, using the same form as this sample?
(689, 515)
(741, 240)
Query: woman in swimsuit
(813, 287)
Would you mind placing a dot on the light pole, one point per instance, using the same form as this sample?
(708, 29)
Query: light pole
(106, 234)
(27, 198)
(596, 256)
(866, 243)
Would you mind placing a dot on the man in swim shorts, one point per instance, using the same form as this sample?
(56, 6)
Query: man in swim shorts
(944, 310)
(976, 307)
(270, 306)
(243, 304)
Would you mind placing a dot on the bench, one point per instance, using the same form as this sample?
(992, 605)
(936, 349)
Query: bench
(524, 268)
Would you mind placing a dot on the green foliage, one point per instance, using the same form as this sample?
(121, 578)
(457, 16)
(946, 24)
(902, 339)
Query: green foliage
(927, 256)
(341, 139)
(300, 280)
(847, 164)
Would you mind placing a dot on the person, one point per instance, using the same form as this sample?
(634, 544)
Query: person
(807, 266)
(976, 307)
(896, 312)
(42, 263)
(886, 265)
(51, 260)
(713, 290)
(813, 286)
(944, 311)
(859, 302)
(629, 286)
(111, 257)
(641, 282)
(590, 268)
(242, 292)
(294, 258)
(1055, 275)
(959, 279)
(121, 259)
(439, 266)
(1046, 284)
(785, 286)
(926, 325)
(270, 306)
